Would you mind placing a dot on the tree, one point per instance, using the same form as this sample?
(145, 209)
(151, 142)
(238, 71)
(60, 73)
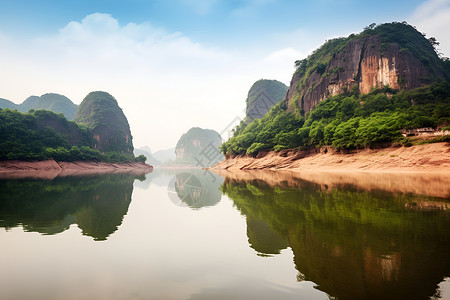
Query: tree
(141, 159)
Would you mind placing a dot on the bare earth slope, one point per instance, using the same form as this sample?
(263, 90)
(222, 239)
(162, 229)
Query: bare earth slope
(49, 169)
(420, 158)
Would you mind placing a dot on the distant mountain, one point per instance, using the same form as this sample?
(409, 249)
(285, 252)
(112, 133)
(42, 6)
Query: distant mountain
(53, 102)
(146, 151)
(164, 156)
(199, 147)
(262, 96)
(8, 104)
(100, 112)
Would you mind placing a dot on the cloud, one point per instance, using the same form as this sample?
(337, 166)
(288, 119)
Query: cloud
(433, 18)
(164, 81)
(284, 55)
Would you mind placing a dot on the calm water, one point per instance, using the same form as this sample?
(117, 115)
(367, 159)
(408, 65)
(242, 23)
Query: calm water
(196, 235)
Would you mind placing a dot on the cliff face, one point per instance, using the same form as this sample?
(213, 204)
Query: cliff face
(199, 147)
(107, 122)
(368, 62)
(262, 96)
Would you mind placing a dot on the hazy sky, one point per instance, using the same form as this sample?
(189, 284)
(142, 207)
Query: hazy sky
(177, 64)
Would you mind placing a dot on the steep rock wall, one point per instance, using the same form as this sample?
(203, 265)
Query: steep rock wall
(366, 64)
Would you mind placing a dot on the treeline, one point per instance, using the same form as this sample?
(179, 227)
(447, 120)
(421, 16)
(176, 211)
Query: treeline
(40, 135)
(345, 121)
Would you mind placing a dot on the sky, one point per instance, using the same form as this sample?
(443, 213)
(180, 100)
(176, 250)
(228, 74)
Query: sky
(176, 64)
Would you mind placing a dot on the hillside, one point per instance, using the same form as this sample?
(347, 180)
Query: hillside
(100, 112)
(199, 147)
(4, 103)
(52, 102)
(352, 118)
(262, 96)
(101, 133)
(392, 54)
(42, 135)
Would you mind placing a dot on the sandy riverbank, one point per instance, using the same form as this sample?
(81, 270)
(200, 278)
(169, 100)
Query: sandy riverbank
(49, 169)
(421, 158)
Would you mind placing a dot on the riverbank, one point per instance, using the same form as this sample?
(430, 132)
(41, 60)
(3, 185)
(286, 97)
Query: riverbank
(420, 158)
(49, 169)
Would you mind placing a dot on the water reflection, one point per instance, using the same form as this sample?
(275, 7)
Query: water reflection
(195, 188)
(97, 203)
(355, 243)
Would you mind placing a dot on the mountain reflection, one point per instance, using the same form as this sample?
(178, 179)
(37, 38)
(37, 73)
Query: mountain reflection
(353, 243)
(97, 204)
(195, 188)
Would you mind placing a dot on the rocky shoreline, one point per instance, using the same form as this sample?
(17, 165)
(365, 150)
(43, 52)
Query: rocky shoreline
(420, 158)
(49, 169)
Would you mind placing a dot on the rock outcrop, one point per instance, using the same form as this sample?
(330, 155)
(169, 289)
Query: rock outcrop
(373, 59)
(262, 96)
(107, 122)
(199, 147)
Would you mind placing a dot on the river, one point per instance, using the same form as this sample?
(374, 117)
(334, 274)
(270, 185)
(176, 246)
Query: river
(192, 234)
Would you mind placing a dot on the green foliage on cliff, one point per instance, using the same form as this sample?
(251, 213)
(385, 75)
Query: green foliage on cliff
(345, 121)
(406, 36)
(100, 112)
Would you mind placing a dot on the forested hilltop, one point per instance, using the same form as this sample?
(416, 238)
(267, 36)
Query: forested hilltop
(42, 134)
(359, 107)
(50, 101)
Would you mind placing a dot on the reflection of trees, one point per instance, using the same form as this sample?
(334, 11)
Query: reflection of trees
(97, 204)
(353, 244)
(196, 188)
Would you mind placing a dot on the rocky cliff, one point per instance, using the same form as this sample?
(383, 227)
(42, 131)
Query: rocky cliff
(394, 55)
(199, 147)
(262, 96)
(107, 122)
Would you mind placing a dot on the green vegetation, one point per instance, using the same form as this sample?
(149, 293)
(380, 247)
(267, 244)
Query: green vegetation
(407, 37)
(53, 102)
(345, 121)
(41, 134)
(100, 112)
(8, 104)
(29, 137)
